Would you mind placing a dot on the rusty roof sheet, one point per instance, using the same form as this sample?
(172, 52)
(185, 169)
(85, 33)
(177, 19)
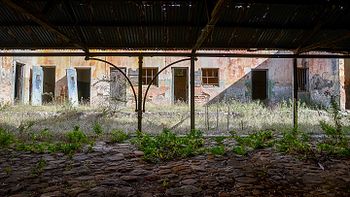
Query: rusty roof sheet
(161, 24)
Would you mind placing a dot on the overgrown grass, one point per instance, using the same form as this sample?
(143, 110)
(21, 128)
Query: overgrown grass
(254, 126)
(118, 136)
(167, 145)
(244, 118)
(336, 142)
(258, 140)
(294, 142)
(6, 138)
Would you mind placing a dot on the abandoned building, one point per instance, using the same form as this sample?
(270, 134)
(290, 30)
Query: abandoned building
(40, 80)
(77, 51)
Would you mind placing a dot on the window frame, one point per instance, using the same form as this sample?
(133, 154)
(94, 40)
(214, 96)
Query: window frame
(148, 78)
(206, 77)
(303, 79)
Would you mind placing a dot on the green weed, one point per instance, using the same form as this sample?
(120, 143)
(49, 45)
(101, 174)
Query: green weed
(167, 146)
(217, 150)
(258, 140)
(118, 136)
(6, 138)
(294, 142)
(335, 142)
(97, 128)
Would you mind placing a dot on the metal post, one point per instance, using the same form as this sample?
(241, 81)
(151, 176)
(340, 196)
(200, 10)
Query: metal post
(192, 104)
(295, 95)
(139, 99)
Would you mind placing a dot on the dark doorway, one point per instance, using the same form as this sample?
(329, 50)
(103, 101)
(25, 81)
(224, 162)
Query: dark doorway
(180, 85)
(19, 78)
(83, 83)
(118, 85)
(259, 84)
(49, 84)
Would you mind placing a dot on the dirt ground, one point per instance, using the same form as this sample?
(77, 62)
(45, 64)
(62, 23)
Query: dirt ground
(118, 170)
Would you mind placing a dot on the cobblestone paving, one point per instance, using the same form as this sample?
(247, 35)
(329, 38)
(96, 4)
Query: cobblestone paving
(118, 170)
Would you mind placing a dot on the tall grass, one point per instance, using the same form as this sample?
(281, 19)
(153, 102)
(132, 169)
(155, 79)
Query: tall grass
(215, 119)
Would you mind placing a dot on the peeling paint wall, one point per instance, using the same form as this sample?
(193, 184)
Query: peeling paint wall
(324, 80)
(346, 84)
(234, 78)
(6, 80)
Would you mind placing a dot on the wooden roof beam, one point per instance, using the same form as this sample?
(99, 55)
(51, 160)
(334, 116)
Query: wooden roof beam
(205, 32)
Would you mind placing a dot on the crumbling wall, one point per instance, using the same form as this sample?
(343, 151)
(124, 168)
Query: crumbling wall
(234, 77)
(324, 80)
(6, 80)
(345, 77)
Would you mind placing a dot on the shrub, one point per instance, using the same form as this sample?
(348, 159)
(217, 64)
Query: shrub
(253, 141)
(217, 150)
(76, 136)
(43, 135)
(335, 142)
(240, 150)
(219, 140)
(167, 146)
(294, 142)
(118, 136)
(6, 138)
(97, 128)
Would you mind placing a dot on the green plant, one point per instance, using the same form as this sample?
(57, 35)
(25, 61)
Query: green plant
(219, 139)
(8, 170)
(256, 140)
(97, 128)
(253, 141)
(335, 142)
(6, 138)
(240, 150)
(334, 132)
(43, 135)
(118, 136)
(165, 182)
(217, 150)
(294, 142)
(76, 136)
(167, 146)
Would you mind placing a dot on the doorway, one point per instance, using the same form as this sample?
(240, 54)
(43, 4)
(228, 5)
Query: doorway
(259, 85)
(180, 84)
(19, 83)
(49, 79)
(117, 85)
(83, 83)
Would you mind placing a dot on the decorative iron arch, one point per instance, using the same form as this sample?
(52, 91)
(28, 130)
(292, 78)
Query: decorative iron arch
(126, 77)
(155, 76)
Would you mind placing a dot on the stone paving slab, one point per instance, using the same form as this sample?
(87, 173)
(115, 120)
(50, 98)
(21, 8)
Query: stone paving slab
(118, 170)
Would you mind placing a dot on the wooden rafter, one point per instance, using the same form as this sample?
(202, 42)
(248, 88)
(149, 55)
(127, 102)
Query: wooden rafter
(209, 27)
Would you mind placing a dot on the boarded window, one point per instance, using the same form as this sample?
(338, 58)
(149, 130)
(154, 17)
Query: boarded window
(303, 79)
(210, 76)
(148, 74)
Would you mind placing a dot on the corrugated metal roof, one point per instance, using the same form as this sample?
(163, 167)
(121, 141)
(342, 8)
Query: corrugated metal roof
(156, 24)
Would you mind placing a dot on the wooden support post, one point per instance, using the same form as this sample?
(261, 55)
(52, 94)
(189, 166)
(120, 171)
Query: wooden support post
(192, 88)
(295, 94)
(139, 99)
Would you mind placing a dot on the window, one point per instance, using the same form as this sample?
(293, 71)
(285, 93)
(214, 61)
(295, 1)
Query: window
(303, 79)
(210, 76)
(148, 74)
